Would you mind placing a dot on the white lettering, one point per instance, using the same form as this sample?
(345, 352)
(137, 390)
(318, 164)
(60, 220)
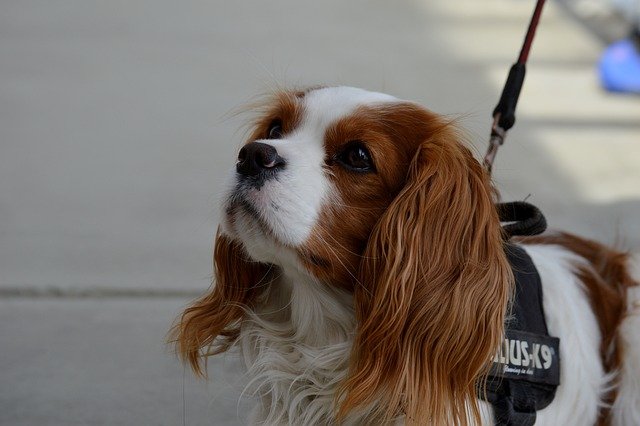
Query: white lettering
(545, 351)
(525, 353)
(504, 352)
(514, 348)
(535, 356)
(514, 352)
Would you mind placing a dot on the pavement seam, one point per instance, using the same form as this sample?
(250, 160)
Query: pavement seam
(93, 293)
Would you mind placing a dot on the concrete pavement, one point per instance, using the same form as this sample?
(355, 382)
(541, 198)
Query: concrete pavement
(116, 132)
(104, 362)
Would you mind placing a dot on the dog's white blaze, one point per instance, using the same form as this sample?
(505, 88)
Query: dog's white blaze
(325, 106)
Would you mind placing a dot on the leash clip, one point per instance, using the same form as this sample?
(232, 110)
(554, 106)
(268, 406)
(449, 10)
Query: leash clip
(498, 135)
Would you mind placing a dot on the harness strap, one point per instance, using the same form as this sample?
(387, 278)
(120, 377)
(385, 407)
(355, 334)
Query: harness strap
(521, 218)
(506, 413)
(526, 370)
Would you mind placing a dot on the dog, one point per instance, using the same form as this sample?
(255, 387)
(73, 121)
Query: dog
(360, 270)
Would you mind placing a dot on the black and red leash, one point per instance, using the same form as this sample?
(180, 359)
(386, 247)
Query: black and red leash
(504, 114)
(520, 218)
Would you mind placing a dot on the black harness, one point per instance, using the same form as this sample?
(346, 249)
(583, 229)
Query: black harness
(526, 370)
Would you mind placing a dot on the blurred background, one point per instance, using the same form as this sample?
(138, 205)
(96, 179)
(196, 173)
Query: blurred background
(117, 129)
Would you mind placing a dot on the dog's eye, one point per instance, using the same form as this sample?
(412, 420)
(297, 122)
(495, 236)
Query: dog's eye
(275, 130)
(356, 157)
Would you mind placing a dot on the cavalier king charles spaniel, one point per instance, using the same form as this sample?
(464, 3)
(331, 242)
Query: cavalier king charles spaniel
(360, 269)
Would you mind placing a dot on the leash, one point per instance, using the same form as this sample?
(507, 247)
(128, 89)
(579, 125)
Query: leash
(504, 114)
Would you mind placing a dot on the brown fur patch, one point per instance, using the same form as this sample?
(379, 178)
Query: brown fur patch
(606, 280)
(287, 107)
(392, 133)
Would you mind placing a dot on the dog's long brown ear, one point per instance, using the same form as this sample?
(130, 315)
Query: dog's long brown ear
(436, 285)
(211, 323)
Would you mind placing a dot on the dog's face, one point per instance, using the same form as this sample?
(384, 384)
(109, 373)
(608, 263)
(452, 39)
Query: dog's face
(318, 171)
(377, 197)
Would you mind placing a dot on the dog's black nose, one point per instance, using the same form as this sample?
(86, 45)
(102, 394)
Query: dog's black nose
(256, 157)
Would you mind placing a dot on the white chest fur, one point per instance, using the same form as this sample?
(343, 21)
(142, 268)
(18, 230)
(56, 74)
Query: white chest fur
(296, 349)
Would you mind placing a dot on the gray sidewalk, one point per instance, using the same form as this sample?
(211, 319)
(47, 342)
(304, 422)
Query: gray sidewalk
(103, 362)
(117, 130)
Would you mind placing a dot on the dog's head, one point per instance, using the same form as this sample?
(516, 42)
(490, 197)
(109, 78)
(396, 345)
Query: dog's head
(376, 197)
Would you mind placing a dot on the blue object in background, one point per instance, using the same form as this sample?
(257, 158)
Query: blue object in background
(620, 66)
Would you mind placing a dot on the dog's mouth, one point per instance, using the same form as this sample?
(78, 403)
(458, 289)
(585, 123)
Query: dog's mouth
(240, 205)
(241, 210)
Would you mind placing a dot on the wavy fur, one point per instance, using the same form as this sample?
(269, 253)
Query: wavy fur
(439, 284)
(212, 322)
